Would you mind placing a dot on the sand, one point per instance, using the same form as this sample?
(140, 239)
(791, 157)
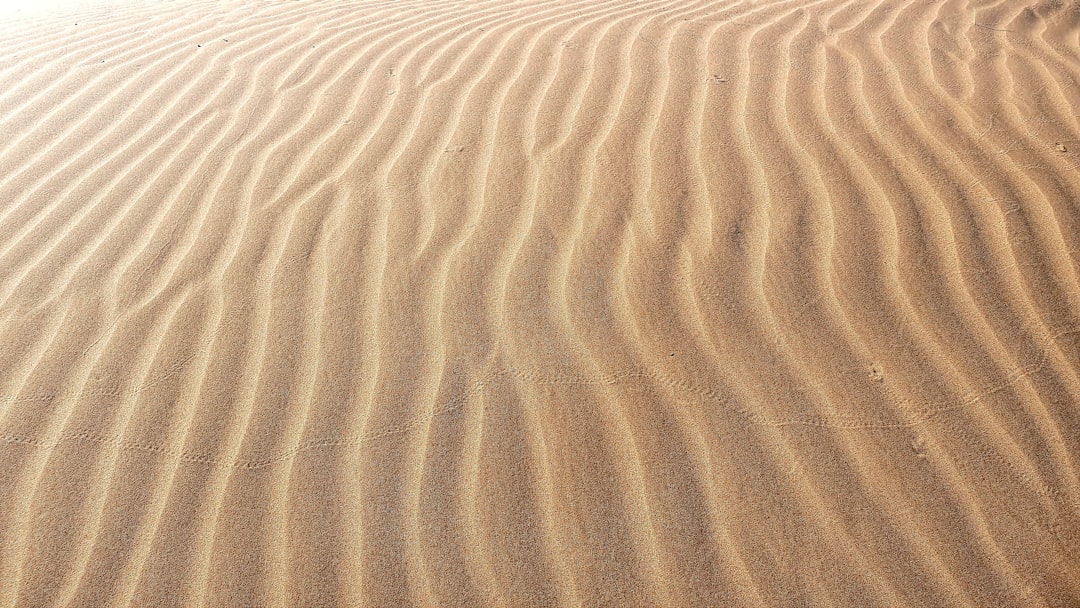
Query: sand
(540, 303)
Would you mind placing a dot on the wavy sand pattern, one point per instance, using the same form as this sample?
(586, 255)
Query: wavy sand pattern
(583, 303)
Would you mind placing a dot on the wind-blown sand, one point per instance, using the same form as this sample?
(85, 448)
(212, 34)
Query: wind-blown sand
(582, 303)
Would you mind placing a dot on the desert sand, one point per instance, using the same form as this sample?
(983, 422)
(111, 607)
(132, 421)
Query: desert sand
(540, 303)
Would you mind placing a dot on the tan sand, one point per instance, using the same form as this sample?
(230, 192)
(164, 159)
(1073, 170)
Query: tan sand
(540, 303)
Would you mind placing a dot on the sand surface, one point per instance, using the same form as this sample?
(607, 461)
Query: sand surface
(540, 303)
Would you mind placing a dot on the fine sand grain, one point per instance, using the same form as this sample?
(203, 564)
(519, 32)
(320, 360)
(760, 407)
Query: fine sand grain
(540, 303)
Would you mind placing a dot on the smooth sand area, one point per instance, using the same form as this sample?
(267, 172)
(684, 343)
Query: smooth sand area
(540, 303)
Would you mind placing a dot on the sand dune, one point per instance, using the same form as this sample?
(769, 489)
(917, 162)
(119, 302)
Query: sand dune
(538, 303)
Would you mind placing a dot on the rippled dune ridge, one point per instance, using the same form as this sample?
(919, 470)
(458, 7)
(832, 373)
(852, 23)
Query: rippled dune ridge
(540, 303)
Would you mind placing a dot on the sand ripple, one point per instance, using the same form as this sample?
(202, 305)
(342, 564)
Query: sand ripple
(658, 303)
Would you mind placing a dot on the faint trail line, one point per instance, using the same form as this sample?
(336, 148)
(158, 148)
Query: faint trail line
(708, 395)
